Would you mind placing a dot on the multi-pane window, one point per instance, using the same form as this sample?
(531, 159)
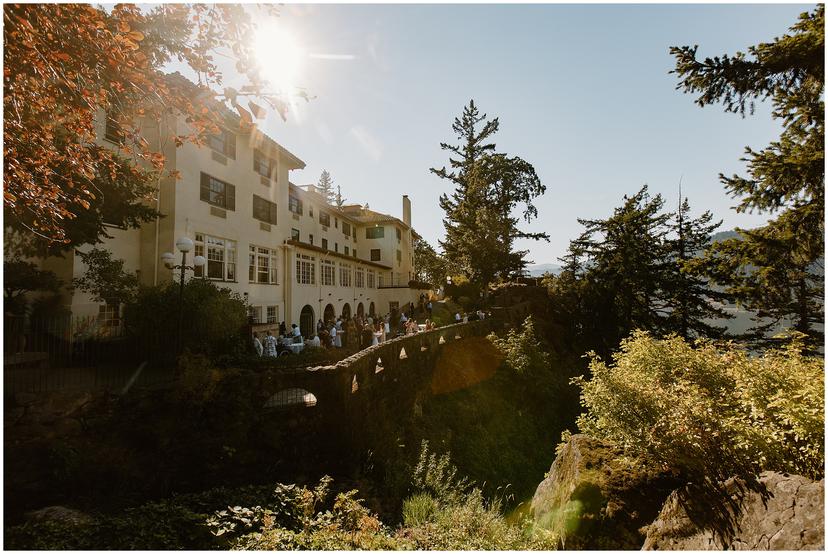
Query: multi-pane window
(221, 257)
(264, 210)
(310, 239)
(380, 280)
(295, 205)
(355, 253)
(310, 210)
(347, 251)
(272, 314)
(344, 275)
(262, 164)
(217, 192)
(346, 228)
(354, 233)
(224, 143)
(325, 244)
(325, 219)
(305, 269)
(371, 279)
(376, 255)
(374, 232)
(360, 277)
(109, 315)
(294, 234)
(262, 266)
(254, 313)
(327, 273)
(399, 234)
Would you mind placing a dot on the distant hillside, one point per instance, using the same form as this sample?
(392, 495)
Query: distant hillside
(538, 270)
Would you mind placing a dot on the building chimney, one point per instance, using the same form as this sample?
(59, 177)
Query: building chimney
(406, 210)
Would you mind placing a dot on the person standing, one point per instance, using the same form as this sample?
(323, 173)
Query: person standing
(429, 308)
(257, 344)
(270, 345)
(296, 331)
(339, 333)
(282, 329)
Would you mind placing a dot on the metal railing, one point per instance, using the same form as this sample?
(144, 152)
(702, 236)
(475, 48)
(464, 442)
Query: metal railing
(71, 353)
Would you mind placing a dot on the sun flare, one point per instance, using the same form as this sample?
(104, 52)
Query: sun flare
(279, 56)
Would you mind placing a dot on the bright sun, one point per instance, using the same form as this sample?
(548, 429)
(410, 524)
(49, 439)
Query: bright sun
(279, 55)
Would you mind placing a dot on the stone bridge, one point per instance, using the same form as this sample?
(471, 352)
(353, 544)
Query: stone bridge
(406, 360)
(341, 411)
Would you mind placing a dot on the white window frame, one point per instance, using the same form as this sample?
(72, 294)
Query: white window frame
(360, 278)
(305, 269)
(216, 250)
(371, 279)
(259, 259)
(344, 275)
(327, 273)
(273, 314)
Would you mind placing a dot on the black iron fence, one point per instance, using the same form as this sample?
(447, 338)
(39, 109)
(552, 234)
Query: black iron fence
(70, 352)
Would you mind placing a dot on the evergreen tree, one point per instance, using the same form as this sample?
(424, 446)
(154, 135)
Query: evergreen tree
(688, 300)
(325, 187)
(340, 200)
(488, 186)
(431, 267)
(626, 263)
(772, 269)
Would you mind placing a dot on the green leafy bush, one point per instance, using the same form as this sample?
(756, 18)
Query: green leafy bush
(707, 411)
(524, 353)
(213, 318)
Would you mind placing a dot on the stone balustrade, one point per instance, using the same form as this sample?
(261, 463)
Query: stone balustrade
(408, 359)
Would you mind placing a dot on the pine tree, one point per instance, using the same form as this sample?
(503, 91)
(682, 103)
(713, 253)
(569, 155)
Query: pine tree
(325, 187)
(480, 230)
(625, 259)
(340, 200)
(688, 300)
(773, 269)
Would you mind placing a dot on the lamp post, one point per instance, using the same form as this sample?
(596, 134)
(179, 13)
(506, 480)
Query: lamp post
(184, 245)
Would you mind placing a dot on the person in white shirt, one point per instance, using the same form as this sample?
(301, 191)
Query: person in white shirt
(336, 334)
(270, 345)
(457, 317)
(315, 341)
(257, 344)
(296, 331)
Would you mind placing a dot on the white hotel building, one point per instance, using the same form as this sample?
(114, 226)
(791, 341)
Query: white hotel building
(292, 256)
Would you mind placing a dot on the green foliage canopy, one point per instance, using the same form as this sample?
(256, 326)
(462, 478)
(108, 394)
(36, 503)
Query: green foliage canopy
(709, 412)
(772, 269)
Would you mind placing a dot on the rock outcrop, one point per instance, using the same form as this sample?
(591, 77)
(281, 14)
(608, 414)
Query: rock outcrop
(595, 497)
(791, 517)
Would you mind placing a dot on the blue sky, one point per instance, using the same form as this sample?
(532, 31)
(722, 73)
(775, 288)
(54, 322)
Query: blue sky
(582, 92)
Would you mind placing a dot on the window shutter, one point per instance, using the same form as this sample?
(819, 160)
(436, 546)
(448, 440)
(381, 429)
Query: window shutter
(230, 196)
(230, 144)
(205, 187)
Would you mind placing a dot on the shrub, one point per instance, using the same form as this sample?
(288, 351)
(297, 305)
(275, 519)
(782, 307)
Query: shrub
(524, 353)
(709, 412)
(418, 509)
(213, 318)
